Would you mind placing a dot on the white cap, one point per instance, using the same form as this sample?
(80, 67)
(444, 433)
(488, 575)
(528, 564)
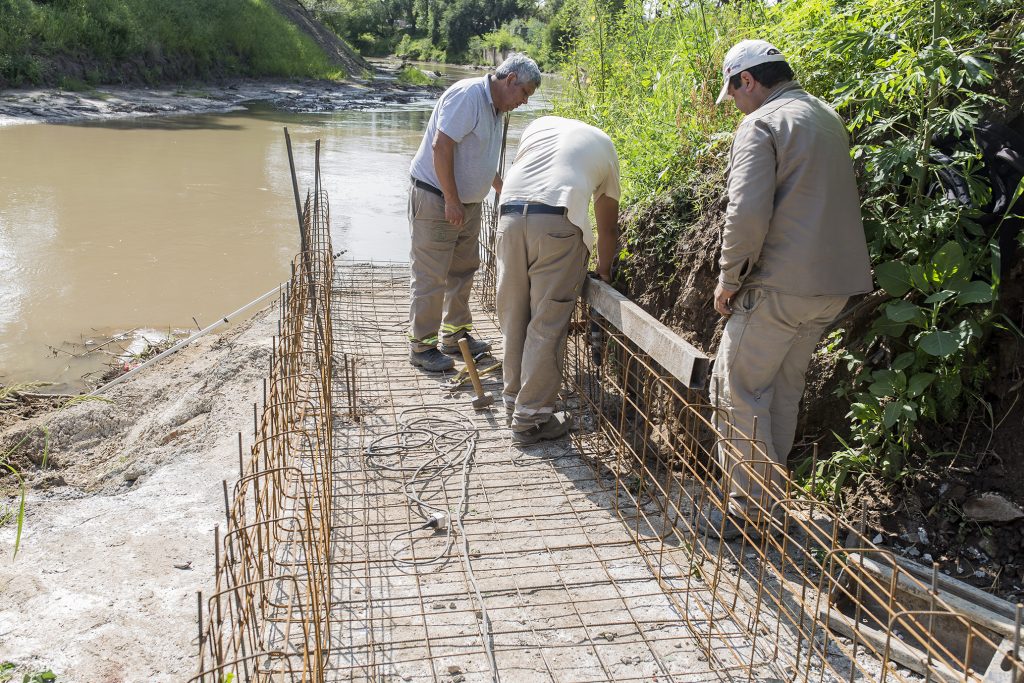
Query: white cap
(742, 56)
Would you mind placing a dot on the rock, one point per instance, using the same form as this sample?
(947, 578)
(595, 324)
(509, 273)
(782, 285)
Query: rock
(922, 535)
(990, 548)
(877, 539)
(454, 670)
(991, 507)
(133, 474)
(913, 552)
(50, 480)
(927, 557)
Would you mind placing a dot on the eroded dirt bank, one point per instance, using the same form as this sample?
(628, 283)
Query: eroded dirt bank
(119, 529)
(962, 505)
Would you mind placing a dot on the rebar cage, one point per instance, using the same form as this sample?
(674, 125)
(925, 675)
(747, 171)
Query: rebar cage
(803, 591)
(268, 617)
(302, 586)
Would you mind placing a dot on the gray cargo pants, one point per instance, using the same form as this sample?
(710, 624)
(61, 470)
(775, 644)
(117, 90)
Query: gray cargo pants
(759, 375)
(443, 259)
(542, 262)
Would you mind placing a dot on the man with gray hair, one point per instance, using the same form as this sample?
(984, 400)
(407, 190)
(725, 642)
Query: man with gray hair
(453, 170)
(793, 252)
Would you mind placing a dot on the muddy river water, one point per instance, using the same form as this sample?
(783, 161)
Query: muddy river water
(172, 222)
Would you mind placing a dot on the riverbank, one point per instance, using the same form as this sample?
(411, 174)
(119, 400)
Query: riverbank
(48, 105)
(119, 524)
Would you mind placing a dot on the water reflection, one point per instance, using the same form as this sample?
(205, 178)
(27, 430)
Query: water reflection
(171, 222)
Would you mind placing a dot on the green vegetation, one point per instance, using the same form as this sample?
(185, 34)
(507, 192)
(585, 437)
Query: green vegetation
(78, 43)
(413, 76)
(7, 674)
(449, 30)
(904, 76)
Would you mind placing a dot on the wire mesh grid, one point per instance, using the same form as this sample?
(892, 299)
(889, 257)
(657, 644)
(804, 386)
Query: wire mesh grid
(540, 582)
(383, 530)
(813, 597)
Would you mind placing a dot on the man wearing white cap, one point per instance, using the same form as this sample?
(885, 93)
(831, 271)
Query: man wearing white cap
(793, 252)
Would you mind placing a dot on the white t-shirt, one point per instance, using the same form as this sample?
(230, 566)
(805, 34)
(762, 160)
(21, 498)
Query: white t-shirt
(466, 114)
(563, 162)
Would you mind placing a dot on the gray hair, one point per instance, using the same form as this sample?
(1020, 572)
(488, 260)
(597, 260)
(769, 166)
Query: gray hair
(525, 69)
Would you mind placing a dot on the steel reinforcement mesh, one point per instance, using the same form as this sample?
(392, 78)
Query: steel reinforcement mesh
(268, 617)
(383, 530)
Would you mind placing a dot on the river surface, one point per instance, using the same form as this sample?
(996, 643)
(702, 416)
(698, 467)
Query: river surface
(161, 224)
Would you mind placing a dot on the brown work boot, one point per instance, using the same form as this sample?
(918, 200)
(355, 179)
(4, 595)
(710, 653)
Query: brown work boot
(555, 427)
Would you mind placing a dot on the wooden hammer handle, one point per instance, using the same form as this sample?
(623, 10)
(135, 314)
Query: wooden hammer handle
(471, 366)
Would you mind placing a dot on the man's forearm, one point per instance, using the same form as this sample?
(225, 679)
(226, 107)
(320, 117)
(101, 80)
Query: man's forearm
(444, 166)
(606, 210)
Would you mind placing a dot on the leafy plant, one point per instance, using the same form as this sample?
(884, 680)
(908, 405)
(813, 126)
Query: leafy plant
(908, 78)
(7, 670)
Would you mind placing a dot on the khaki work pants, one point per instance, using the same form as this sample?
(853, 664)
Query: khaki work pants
(759, 375)
(542, 262)
(443, 259)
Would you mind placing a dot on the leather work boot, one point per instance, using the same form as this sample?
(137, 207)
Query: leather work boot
(476, 346)
(556, 427)
(431, 360)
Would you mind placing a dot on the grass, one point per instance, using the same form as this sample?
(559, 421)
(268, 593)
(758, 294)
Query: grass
(7, 514)
(87, 42)
(410, 75)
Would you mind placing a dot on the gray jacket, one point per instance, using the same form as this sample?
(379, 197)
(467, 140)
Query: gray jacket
(793, 223)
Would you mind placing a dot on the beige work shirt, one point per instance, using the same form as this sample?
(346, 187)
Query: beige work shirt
(793, 223)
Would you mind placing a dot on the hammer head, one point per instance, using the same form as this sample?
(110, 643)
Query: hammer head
(481, 402)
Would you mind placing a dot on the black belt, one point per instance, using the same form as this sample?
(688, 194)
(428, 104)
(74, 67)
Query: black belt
(428, 187)
(526, 208)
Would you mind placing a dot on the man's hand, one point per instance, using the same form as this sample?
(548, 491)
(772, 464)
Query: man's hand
(723, 300)
(444, 166)
(454, 212)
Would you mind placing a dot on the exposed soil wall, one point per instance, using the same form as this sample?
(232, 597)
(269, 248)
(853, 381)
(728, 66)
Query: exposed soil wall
(672, 271)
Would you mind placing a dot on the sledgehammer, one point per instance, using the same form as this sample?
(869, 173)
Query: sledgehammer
(482, 400)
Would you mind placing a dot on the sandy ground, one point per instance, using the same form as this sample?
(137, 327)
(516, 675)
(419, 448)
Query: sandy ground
(119, 529)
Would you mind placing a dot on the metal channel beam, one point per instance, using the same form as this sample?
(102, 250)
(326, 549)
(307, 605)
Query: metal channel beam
(682, 359)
